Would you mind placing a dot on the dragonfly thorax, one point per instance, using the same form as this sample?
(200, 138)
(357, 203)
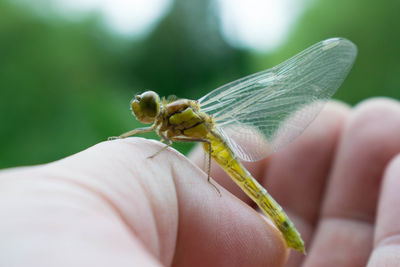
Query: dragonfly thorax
(146, 106)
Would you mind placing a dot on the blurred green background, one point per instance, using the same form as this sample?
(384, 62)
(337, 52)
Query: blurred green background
(66, 84)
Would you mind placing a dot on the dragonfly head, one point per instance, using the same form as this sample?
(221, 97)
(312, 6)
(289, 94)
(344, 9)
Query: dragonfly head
(146, 106)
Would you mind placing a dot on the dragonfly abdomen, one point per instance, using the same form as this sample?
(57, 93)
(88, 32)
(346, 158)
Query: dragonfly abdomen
(223, 155)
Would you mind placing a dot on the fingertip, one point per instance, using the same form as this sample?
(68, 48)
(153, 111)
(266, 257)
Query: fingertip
(375, 121)
(376, 102)
(219, 226)
(227, 231)
(337, 107)
(371, 134)
(220, 230)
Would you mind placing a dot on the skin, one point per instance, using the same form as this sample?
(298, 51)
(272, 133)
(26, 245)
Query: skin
(111, 206)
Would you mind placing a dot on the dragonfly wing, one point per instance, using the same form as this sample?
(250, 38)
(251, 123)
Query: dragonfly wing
(263, 112)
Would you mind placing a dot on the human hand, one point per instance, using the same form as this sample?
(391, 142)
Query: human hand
(111, 206)
(339, 183)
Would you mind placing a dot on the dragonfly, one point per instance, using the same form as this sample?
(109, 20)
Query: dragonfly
(252, 117)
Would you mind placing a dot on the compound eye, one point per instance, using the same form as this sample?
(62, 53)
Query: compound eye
(146, 106)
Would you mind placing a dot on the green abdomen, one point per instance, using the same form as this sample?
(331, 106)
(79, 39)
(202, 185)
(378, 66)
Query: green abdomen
(223, 155)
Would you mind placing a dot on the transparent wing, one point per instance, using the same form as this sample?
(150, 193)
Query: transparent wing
(263, 112)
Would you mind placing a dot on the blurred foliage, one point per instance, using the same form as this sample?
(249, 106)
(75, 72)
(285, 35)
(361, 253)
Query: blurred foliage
(55, 81)
(373, 26)
(186, 55)
(66, 85)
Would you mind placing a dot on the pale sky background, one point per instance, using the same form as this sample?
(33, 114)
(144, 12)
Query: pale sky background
(257, 24)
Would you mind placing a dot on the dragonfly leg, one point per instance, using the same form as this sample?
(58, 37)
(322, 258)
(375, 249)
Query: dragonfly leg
(205, 161)
(133, 132)
(163, 139)
(209, 168)
(188, 139)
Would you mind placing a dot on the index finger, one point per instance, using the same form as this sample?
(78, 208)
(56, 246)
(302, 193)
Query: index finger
(119, 206)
